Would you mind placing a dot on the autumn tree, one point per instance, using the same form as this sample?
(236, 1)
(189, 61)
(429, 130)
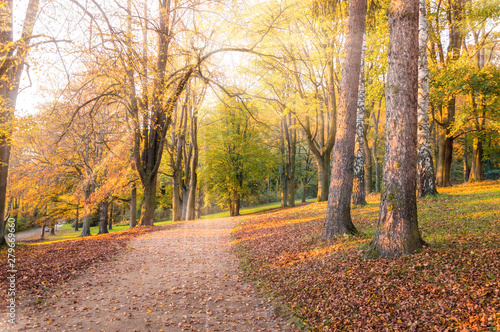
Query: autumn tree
(397, 230)
(426, 177)
(338, 215)
(237, 159)
(13, 55)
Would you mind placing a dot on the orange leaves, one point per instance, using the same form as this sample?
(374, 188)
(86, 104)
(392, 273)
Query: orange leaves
(454, 284)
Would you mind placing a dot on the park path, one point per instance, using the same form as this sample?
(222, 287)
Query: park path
(179, 279)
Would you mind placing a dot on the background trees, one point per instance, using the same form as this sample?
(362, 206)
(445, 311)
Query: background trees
(134, 101)
(236, 157)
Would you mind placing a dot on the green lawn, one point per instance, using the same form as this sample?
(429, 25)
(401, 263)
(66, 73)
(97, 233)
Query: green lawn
(66, 232)
(251, 210)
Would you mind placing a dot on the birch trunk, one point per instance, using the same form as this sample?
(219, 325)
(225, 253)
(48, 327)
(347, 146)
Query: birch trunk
(358, 190)
(425, 167)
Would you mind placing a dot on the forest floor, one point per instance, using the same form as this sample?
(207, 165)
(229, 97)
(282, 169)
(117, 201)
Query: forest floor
(183, 276)
(451, 285)
(179, 277)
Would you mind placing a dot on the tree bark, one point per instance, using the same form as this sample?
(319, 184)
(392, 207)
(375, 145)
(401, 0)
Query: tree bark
(368, 165)
(338, 214)
(466, 162)
(149, 202)
(86, 211)
(476, 171)
(176, 197)
(358, 191)
(103, 218)
(323, 177)
(133, 207)
(397, 230)
(110, 220)
(425, 167)
(76, 218)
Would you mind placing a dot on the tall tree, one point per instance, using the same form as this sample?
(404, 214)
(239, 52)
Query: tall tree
(397, 230)
(12, 60)
(338, 214)
(358, 192)
(425, 168)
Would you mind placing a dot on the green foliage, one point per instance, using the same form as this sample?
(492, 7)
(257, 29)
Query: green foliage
(237, 159)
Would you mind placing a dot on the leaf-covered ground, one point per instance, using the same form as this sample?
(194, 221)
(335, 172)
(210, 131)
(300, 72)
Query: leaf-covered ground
(42, 265)
(452, 285)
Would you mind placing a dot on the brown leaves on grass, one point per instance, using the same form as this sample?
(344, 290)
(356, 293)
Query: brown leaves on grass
(40, 266)
(454, 284)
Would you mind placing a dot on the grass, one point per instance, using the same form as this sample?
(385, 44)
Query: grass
(252, 210)
(453, 284)
(66, 232)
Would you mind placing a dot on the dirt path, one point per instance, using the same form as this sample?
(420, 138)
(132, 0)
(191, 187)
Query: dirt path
(181, 279)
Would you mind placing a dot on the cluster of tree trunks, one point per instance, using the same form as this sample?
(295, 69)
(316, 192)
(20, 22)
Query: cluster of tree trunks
(183, 152)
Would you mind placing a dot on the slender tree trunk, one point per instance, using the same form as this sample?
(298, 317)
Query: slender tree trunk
(103, 218)
(368, 165)
(176, 197)
(133, 207)
(425, 167)
(184, 205)
(338, 213)
(149, 202)
(191, 200)
(397, 230)
(358, 191)
(86, 212)
(110, 220)
(53, 229)
(76, 219)
(42, 235)
(466, 160)
(304, 192)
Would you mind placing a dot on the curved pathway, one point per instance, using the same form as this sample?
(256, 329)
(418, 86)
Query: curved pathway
(180, 279)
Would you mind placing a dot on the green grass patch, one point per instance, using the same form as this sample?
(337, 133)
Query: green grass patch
(66, 232)
(252, 210)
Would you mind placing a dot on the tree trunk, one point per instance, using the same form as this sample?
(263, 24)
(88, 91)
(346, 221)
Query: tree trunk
(397, 230)
(304, 193)
(323, 178)
(176, 197)
(368, 165)
(13, 54)
(76, 219)
(476, 172)
(358, 191)
(338, 213)
(425, 167)
(133, 207)
(42, 235)
(185, 194)
(103, 218)
(236, 207)
(110, 220)
(53, 229)
(466, 162)
(149, 202)
(86, 211)
(191, 200)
